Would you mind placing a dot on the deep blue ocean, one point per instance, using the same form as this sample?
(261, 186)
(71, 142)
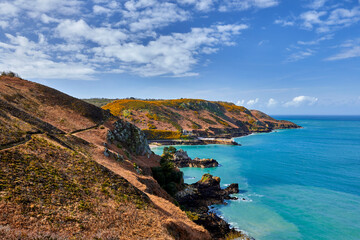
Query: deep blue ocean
(297, 184)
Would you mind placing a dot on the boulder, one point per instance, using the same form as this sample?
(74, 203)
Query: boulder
(130, 136)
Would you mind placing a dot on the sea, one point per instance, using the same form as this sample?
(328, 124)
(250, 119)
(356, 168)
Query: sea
(295, 184)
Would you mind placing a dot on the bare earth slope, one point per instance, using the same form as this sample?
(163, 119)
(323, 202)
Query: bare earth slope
(59, 180)
(203, 118)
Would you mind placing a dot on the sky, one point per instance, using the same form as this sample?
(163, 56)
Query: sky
(277, 56)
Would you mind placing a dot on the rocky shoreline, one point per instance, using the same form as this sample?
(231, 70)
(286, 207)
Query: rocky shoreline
(197, 141)
(196, 199)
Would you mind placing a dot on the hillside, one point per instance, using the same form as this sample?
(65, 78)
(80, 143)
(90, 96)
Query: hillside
(165, 119)
(71, 170)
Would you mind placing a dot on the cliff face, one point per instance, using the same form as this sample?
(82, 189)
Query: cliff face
(130, 136)
(69, 170)
(164, 119)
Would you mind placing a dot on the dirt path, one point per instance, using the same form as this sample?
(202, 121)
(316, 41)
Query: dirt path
(27, 138)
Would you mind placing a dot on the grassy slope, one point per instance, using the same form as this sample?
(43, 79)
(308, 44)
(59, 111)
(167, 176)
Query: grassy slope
(57, 184)
(207, 117)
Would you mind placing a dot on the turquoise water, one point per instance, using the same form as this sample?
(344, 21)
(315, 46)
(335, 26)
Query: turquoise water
(297, 184)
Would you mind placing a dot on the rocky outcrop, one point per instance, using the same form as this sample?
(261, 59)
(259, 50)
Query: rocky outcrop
(205, 192)
(199, 196)
(129, 136)
(181, 160)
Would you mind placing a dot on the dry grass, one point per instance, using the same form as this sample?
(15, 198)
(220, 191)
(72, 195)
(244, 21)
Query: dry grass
(169, 116)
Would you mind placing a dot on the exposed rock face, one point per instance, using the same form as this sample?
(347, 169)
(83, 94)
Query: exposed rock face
(181, 159)
(130, 137)
(205, 192)
(198, 196)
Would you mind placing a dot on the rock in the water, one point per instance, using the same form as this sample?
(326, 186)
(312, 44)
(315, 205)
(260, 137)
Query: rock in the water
(204, 193)
(181, 159)
(199, 196)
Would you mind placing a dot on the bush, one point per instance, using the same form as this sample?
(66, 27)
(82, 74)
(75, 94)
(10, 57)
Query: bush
(161, 134)
(151, 126)
(168, 177)
(9, 74)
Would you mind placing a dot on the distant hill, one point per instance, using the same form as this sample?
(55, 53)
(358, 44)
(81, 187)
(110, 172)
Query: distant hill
(99, 102)
(169, 118)
(63, 177)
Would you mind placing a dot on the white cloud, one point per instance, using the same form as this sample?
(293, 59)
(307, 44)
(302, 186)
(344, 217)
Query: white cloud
(317, 41)
(252, 102)
(240, 5)
(284, 23)
(325, 21)
(316, 4)
(240, 102)
(350, 49)
(272, 102)
(348, 53)
(101, 10)
(71, 36)
(201, 5)
(301, 100)
(150, 14)
(8, 10)
(300, 55)
(4, 24)
(29, 59)
(80, 30)
(174, 54)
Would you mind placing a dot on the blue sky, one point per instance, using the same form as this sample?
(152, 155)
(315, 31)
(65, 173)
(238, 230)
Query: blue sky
(278, 56)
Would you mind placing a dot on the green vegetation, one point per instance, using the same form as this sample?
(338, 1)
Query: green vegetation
(169, 150)
(151, 126)
(168, 177)
(161, 134)
(44, 175)
(219, 120)
(192, 215)
(207, 120)
(196, 114)
(9, 74)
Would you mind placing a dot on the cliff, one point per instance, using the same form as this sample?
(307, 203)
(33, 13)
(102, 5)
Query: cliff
(71, 170)
(186, 118)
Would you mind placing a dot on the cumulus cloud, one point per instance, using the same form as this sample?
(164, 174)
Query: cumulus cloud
(65, 39)
(301, 100)
(80, 30)
(30, 59)
(272, 102)
(147, 15)
(173, 54)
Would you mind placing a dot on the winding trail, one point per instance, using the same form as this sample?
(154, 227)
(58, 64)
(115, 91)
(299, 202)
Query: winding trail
(27, 138)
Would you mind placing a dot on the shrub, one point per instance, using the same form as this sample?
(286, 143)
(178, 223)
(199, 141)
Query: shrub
(161, 134)
(9, 74)
(151, 126)
(168, 177)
